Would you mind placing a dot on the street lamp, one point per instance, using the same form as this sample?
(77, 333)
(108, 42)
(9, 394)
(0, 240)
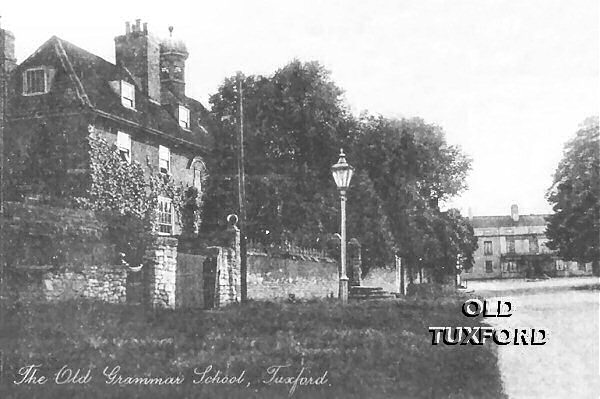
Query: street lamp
(342, 174)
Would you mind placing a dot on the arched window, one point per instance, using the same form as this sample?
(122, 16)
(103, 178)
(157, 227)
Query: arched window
(198, 168)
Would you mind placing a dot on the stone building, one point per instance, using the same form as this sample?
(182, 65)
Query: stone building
(55, 104)
(139, 104)
(514, 246)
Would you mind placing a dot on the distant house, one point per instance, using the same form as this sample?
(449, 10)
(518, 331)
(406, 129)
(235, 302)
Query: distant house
(514, 246)
(139, 104)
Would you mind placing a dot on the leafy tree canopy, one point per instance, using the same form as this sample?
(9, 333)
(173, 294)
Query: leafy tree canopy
(574, 228)
(295, 122)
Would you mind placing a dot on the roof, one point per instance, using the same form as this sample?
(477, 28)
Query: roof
(507, 221)
(90, 78)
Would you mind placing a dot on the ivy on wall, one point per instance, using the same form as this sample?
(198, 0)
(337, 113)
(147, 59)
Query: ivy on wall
(127, 199)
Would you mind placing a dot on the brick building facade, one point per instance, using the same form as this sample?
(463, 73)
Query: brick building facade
(138, 103)
(514, 246)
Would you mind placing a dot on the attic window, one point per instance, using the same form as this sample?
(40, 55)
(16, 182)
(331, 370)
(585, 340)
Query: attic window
(127, 95)
(184, 117)
(35, 81)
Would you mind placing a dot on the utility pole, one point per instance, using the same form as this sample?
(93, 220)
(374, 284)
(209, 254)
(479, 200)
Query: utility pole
(242, 194)
(3, 92)
(3, 95)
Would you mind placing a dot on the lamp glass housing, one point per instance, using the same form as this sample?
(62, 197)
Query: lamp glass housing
(342, 172)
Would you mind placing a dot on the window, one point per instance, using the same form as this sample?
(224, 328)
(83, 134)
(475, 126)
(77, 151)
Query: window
(510, 244)
(164, 159)
(509, 267)
(127, 95)
(533, 246)
(184, 117)
(124, 146)
(165, 216)
(198, 171)
(522, 246)
(34, 81)
(488, 266)
(487, 247)
(581, 266)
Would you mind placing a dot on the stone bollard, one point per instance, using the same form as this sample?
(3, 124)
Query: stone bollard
(355, 262)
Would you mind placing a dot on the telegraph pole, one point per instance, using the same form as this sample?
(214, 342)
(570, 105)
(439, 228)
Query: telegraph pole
(242, 193)
(3, 95)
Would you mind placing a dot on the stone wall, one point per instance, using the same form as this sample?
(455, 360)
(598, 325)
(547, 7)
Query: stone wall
(385, 278)
(105, 283)
(55, 254)
(277, 276)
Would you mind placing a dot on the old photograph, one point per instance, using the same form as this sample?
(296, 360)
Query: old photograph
(300, 199)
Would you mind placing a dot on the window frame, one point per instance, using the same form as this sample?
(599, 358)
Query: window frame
(26, 83)
(511, 246)
(488, 248)
(161, 149)
(491, 268)
(184, 124)
(125, 100)
(127, 147)
(171, 216)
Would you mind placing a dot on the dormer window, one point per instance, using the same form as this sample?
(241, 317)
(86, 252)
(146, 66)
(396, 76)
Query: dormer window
(184, 117)
(127, 95)
(164, 159)
(35, 81)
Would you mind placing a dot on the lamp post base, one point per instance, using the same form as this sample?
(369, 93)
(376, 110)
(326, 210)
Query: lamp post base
(344, 290)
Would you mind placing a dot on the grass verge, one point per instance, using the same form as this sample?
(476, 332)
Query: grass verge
(368, 350)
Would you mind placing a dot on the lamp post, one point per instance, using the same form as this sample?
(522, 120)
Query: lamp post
(342, 174)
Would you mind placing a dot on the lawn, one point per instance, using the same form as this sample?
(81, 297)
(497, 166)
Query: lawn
(362, 350)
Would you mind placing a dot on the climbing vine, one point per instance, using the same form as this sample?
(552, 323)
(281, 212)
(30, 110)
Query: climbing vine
(127, 199)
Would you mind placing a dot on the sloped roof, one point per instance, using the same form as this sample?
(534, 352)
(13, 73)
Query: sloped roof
(507, 221)
(95, 85)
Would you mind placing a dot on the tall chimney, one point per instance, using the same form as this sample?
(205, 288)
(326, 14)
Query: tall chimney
(8, 62)
(139, 52)
(514, 212)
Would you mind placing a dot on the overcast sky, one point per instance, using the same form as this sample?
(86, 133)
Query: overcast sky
(509, 81)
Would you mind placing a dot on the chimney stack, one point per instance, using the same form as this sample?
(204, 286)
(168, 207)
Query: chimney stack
(514, 212)
(139, 52)
(8, 61)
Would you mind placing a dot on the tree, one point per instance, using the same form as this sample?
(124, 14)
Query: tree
(294, 124)
(413, 170)
(574, 228)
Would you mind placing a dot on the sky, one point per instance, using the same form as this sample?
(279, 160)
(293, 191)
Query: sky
(508, 81)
